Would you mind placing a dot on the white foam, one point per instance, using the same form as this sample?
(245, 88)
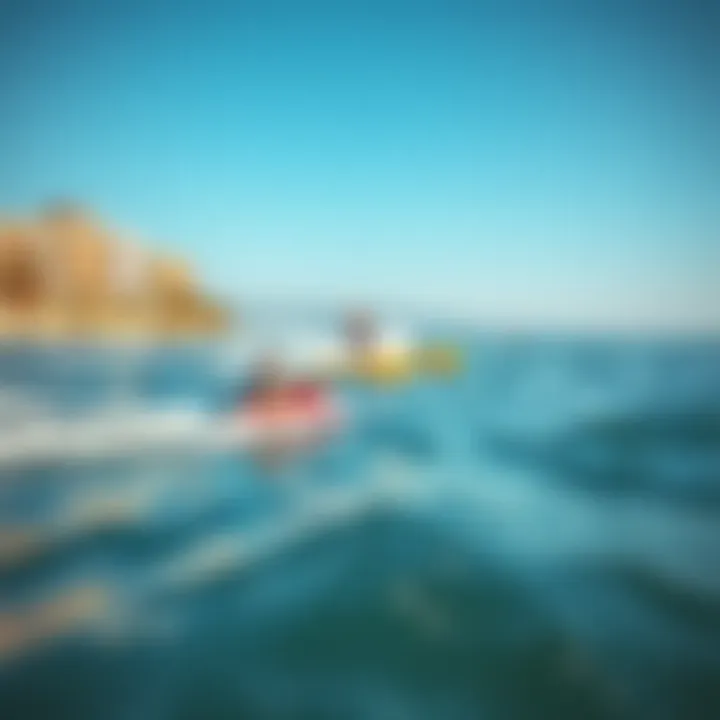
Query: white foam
(140, 431)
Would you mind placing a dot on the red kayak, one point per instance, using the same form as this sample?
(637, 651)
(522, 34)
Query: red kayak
(303, 408)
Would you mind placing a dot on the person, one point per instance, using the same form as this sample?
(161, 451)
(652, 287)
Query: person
(270, 400)
(376, 355)
(361, 333)
(269, 393)
(392, 357)
(264, 387)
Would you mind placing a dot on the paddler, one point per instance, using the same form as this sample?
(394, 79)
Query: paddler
(270, 391)
(361, 333)
(373, 355)
(265, 389)
(388, 358)
(262, 401)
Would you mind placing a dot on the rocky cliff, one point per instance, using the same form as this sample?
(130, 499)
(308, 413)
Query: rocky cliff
(63, 274)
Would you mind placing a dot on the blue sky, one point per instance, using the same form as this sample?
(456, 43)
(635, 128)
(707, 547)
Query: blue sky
(538, 162)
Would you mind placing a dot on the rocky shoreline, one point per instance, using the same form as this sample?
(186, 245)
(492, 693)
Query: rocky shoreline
(65, 276)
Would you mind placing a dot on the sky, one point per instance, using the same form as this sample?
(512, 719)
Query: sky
(538, 163)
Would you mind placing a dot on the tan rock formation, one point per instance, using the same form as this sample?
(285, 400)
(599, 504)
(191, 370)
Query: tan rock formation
(66, 275)
(22, 283)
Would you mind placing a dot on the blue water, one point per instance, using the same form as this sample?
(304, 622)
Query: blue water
(553, 549)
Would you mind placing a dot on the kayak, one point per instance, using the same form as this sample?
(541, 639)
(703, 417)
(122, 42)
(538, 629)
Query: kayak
(395, 367)
(290, 424)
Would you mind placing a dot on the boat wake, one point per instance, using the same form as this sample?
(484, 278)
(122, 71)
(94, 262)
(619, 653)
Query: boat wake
(138, 432)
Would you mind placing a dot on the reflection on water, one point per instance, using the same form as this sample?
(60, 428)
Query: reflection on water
(536, 538)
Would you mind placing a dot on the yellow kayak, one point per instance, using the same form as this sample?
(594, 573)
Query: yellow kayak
(390, 368)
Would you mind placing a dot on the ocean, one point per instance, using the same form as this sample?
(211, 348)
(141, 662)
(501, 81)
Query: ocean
(537, 537)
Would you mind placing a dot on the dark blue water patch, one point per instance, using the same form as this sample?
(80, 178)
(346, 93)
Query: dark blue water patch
(670, 455)
(700, 429)
(694, 609)
(654, 640)
(125, 681)
(30, 494)
(654, 643)
(361, 635)
(600, 475)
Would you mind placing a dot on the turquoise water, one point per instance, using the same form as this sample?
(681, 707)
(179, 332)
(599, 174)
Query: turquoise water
(544, 544)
